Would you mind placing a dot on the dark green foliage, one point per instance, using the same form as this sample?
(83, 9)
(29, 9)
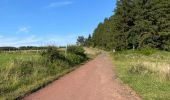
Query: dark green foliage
(31, 48)
(136, 24)
(147, 51)
(75, 55)
(81, 41)
(22, 48)
(89, 41)
(8, 48)
(75, 59)
(52, 54)
(78, 50)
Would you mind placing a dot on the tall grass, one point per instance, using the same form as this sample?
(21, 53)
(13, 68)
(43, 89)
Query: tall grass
(146, 71)
(5, 57)
(158, 69)
(22, 74)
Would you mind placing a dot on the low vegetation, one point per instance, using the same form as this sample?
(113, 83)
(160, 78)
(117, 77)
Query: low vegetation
(92, 51)
(146, 71)
(22, 73)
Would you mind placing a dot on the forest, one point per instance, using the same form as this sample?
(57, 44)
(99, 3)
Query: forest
(135, 24)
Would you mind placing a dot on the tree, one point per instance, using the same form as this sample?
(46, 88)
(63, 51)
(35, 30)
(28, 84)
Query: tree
(136, 24)
(88, 41)
(81, 41)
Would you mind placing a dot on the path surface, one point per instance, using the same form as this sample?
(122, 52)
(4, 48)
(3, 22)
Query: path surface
(95, 80)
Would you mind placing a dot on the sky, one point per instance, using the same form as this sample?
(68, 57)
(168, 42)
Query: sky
(50, 22)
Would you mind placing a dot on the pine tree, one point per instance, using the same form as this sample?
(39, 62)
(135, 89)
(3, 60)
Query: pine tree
(136, 24)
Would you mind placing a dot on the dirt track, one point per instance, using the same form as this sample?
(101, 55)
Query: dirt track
(95, 80)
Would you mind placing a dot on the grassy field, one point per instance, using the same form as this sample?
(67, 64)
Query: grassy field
(23, 72)
(5, 57)
(147, 72)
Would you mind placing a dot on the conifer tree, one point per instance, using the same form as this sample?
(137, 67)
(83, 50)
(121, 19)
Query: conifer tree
(135, 24)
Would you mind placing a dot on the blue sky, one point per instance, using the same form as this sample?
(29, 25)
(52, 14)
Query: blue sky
(44, 22)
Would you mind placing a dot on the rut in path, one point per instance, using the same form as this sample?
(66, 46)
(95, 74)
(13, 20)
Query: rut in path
(95, 80)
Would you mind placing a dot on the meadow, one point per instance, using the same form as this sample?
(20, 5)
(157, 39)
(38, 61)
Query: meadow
(5, 57)
(146, 71)
(22, 72)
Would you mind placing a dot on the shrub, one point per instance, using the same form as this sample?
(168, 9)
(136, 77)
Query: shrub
(78, 50)
(74, 59)
(52, 54)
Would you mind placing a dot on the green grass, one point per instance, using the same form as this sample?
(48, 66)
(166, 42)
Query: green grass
(147, 72)
(24, 72)
(5, 57)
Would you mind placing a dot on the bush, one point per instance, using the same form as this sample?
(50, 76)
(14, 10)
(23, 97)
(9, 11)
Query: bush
(52, 54)
(78, 50)
(74, 59)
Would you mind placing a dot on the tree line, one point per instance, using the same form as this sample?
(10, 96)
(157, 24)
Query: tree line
(21, 48)
(135, 24)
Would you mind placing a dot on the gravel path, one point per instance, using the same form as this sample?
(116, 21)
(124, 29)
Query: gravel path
(95, 80)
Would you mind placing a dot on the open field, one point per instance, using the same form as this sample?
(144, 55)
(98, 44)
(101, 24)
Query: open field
(23, 72)
(5, 57)
(147, 72)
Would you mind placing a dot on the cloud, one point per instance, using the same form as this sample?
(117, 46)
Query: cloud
(33, 40)
(20, 41)
(26, 41)
(59, 4)
(23, 29)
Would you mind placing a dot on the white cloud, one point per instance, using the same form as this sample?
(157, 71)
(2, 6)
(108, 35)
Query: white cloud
(23, 29)
(59, 4)
(32, 40)
(20, 41)
(27, 41)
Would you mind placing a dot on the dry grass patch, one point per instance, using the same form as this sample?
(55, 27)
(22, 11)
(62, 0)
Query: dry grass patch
(147, 72)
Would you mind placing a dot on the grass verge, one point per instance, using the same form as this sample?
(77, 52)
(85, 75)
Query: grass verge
(147, 72)
(50, 80)
(22, 76)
